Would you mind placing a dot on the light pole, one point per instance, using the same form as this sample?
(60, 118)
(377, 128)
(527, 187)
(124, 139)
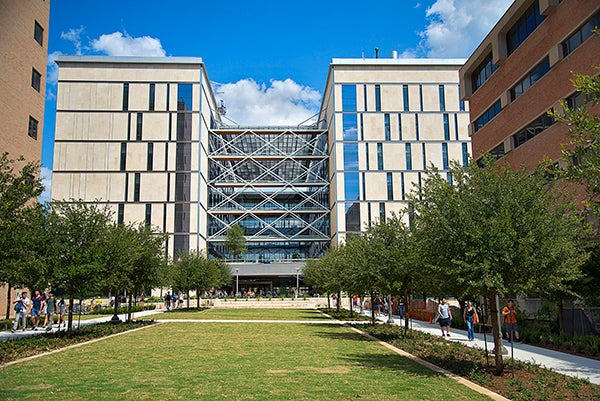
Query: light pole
(297, 281)
(237, 281)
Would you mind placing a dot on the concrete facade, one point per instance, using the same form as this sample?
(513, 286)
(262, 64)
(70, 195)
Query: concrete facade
(554, 38)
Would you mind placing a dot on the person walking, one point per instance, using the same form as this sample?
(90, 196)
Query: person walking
(510, 319)
(61, 312)
(470, 317)
(445, 317)
(36, 309)
(21, 307)
(51, 307)
(168, 301)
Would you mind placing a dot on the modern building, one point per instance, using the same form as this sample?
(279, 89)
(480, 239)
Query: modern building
(146, 137)
(521, 70)
(23, 57)
(388, 120)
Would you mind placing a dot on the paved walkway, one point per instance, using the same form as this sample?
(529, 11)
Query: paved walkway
(560, 362)
(567, 364)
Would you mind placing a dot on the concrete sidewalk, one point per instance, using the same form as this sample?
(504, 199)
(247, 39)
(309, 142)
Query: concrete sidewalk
(567, 364)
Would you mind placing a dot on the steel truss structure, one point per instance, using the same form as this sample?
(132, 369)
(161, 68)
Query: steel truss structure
(274, 183)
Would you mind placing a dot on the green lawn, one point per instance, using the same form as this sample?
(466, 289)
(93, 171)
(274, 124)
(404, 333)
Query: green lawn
(239, 361)
(242, 314)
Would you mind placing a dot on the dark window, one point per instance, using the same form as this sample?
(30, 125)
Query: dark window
(150, 162)
(362, 128)
(382, 212)
(168, 98)
(445, 165)
(348, 97)
(123, 163)
(184, 97)
(367, 158)
(121, 213)
(379, 156)
(148, 219)
(465, 155)
(353, 217)
(386, 123)
(138, 130)
(482, 73)
(421, 97)
(408, 151)
(365, 97)
(377, 98)
(497, 152)
(417, 126)
(136, 187)
(461, 103)
(364, 186)
(577, 100)
(400, 126)
(531, 130)
(442, 98)
(390, 187)
(38, 33)
(446, 127)
(125, 96)
(534, 75)
(582, 34)
(489, 114)
(424, 151)
(36, 79)
(33, 128)
(402, 185)
(152, 97)
(517, 34)
(405, 97)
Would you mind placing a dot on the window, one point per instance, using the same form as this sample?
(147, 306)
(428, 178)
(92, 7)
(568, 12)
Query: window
(585, 32)
(386, 123)
(483, 72)
(465, 154)
(400, 126)
(577, 100)
(184, 97)
(350, 127)
(121, 213)
(517, 34)
(377, 98)
(152, 97)
(362, 128)
(417, 126)
(442, 98)
(150, 162)
(352, 217)
(408, 151)
(123, 163)
(351, 156)
(531, 130)
(348, 97)
(402, 185)
(498, 151)
(534, 75)
(136, 187)
(382, 212)
(461, 103)
(148, 219)
(390, 187)
(125, 96)
(38, 33)
(446, 127)
(424, 151)
(379, 156)
(138, 131)
(364, 186)
(488, 115)
(367, 158)
(351, 186)
(405, 97)
(36, 79)
(421, 97)
(33, 128)
(456, 127)
(445, 165)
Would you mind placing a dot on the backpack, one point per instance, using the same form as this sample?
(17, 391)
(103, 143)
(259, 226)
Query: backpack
(18, 306)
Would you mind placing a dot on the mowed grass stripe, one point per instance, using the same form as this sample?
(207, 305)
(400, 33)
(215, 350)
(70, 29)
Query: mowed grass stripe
(230, 361)
(241, 314)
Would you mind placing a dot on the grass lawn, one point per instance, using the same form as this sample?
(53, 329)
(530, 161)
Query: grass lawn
(176, 361)
(241, 314)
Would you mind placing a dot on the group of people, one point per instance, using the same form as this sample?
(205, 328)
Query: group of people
(40, 305)
(173, 301)
(471, 318)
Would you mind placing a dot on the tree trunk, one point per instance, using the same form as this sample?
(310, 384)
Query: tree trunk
(560, 307)
(495, 317)
(8, 301)
(70, 315)
(350, 300)
(372, 310)
(188, 298)
(198, 299)
(328, 302)
(406, 309)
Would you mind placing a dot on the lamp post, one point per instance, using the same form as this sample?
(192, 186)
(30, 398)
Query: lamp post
(297, 281)
(237, 281)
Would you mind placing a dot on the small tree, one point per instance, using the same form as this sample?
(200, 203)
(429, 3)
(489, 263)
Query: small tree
(235, 241)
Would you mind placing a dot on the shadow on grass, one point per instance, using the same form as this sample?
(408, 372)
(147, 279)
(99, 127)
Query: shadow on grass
(391, 363)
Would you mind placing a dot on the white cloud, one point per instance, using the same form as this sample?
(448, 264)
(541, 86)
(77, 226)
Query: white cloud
(74, 36)
(456, 27)
(46, 175)
(279, 103)
(51, 75)
(122, 44)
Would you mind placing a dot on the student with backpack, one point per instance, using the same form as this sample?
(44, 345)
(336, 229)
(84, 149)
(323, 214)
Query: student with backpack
(21, 307)
(51, 308)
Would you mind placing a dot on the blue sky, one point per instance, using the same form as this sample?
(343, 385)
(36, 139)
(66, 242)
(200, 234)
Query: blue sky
(269, 59)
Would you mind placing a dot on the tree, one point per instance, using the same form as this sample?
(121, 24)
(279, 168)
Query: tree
(77, 233)
(326, 272)
(18, 191)
(495, 231)
(235, 241)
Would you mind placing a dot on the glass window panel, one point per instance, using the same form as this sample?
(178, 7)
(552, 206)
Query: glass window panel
(351, 156)
(353, 217)
(350, 127)
(348, 97)
(351, 187)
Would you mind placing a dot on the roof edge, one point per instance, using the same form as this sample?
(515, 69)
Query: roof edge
(128, 60)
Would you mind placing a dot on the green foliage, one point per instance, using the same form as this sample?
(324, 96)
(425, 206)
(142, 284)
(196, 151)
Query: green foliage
(235, 241)
(194, 271)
